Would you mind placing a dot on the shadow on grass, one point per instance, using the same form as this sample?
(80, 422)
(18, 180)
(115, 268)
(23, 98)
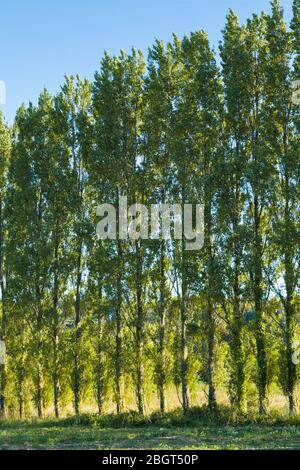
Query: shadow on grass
(194, 417)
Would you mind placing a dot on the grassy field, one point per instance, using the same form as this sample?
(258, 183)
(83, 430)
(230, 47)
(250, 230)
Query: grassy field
(171, 432)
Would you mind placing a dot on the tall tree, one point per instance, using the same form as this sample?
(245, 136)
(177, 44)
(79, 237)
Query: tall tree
(106, 157)
(259, 177)
(5, 145)
(29, 249)
(234, 68)
(74, 105)
(283, 142)
(156, 149)
(204, 80)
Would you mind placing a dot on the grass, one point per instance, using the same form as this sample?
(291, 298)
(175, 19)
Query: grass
(198, 429)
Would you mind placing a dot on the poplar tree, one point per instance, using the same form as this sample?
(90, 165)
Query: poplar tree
(73, 105)
(233, 195)
(5, 145)
(204, 79)
(283, 142)
(106, 157)
(133, 68)
(156, 136)
(260, 178)
(60, 199)
(28, 229)
(183, 159)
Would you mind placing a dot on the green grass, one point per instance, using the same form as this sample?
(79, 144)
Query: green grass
(196, 430)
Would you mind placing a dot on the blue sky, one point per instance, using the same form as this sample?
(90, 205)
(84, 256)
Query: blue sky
(41, 41)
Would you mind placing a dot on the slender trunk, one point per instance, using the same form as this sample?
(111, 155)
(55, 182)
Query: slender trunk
(21, 402)
(258, 295)
(55, 332)
(77, 373)
(291, 404)
(162, 372)
(118, 370)
(39, 324)
(39, 388)
(291, 368)
(238, 378)
(212, 402)
(21, 379)
(3, 318)
(289, 307)
(237, 350)
(183, 318)
(39, 392)
(183, 345)
(183, 358)
(139, 333)
(2, 387)
(100, 388)
(2, 366)
(99, 365)
(56, 393)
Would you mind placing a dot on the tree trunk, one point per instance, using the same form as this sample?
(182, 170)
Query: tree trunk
(99, 366)
(183, 361)
(183, 346)
(162, 372)
(39, 392)
(55, 333)
(21, 404)
(39, 388)
(258, 299)
(77, 373)
(238, 378)
(3, 318)
(212, 402)
(288, 307)
(139, 333)
(118, 370)
(237, 350)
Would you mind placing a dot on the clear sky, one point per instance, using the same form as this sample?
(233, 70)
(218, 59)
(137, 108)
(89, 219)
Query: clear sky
(42, 40)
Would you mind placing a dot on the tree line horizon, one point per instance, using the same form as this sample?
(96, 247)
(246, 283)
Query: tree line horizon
(89, 322)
